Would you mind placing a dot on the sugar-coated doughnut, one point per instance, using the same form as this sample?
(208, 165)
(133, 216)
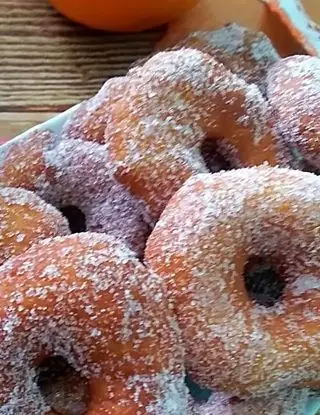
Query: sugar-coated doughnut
(294, 92)
(244, 52)
(287, 402)
(208, 234)
(217, 404)
(170, 106)
(159, 118)
(290, 401)
(21, 162)
(26, 219)
(89, 120)
(80, 174)
(87, 299)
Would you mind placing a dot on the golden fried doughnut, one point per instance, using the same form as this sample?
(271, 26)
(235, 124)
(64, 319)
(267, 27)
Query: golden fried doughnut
(24, 220)
(294, 92)
(87, 299)
(170, 106)
(291, 401)
(89, 120)
(202, 245)
(21, 162)
(78, 174)
(247, 53)
(217, 404)
(244, 52)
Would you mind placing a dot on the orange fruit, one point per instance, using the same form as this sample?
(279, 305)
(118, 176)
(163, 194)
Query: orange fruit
(123, 15)
(271, 17)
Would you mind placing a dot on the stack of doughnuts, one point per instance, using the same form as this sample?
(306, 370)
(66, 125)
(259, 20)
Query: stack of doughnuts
(125, 246)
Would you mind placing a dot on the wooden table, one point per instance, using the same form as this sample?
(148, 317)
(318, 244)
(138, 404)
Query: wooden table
(48, 64)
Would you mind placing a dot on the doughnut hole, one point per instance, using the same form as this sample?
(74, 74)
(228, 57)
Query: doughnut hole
(75, 217)
(301, 163)
(213, 157)
(197, 393)
(62, 388)
(309, 168)
(263, 281)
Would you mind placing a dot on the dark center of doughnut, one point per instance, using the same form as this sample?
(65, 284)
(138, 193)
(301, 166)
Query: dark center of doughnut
(263, 282)
(148, 230)
(198, 393)
(304, 165)
(63, 389)
(76, 218)
(309, 168)
(212, 156)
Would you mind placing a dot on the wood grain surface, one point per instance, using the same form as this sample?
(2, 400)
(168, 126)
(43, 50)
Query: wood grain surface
(13, 123)
(48, 64)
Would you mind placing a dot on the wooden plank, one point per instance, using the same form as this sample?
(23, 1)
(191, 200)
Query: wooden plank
(50, 63)
(313, 8)
(13, 123)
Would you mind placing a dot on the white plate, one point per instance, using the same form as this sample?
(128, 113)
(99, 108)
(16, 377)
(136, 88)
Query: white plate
(55, 124)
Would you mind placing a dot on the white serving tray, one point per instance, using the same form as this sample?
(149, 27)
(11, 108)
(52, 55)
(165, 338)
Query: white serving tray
(55, 124)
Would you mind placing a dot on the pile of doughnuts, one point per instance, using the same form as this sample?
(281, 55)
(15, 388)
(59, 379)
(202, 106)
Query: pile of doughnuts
(126, 248)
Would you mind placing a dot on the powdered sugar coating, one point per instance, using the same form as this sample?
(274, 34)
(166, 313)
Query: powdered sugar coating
(26, 219)
(200, 246)
(89, 121)
(81, 174)
(21, 163)
(159, 115)
(217, 404)
(244, 52)
(73, 297)
(169, 107)
(294, 92)
(287, 402)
